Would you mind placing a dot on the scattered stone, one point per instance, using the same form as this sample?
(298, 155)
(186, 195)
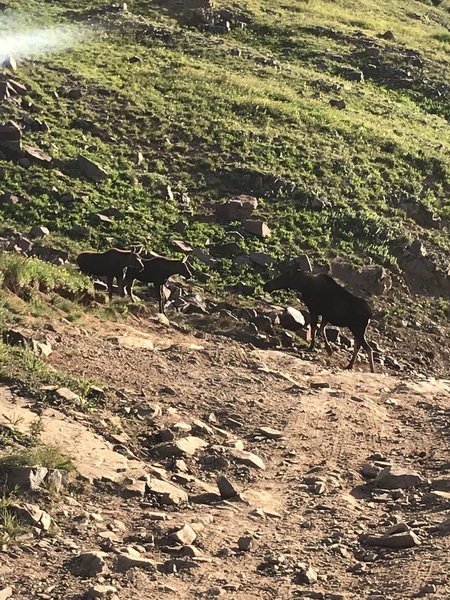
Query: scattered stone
(428, 588)
(388, 35)
(26, 478)
(260, 258)
(184, 536)
(179, 564)
(248, 458)
(166, 492)
(204, 257)
(100, 591)
(305, 575)
(237, 208)
(90, 169)
(39, 232)
(226, 488)
(292, 319)
(135, 489)
(245, 543)
(187, 446)
(340, 104)
(271, 434)
(406, 539)
(395, 479)
(130, 559)
(89, 564)
(256, 227)
(66, 395)
(370, 470)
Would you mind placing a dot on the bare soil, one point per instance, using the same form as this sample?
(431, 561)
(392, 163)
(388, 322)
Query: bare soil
(309, 505)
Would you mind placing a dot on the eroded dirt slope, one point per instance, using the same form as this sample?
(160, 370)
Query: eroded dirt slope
(308, 506)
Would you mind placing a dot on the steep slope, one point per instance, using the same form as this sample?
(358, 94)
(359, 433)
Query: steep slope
(160, 94)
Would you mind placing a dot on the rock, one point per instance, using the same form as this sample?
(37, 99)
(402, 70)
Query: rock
(166, 492)
(388, 35)
(245, 543)
(6, 593)
(191, 551)
(370, 470)
(36, 155)
(406, 539)
(340, 104)
(39, 232)
(396, 479)
(26, 478)
(226, 488)
(306, 575)
(131, 559)
(184, 536)
(178, 564)
(52, 255)
(248, 458)
(100, 591)
(9, 62)
(256, 227)
(11, 139)
(261, 258)
(90, 169)
(132, 341)
(370, 279)
(270, 433)
(16, 338)
(89, 564)
(292, 319)
(66, 395)
(237, 208)
(204, 257)
(134, 489)
(187, 446)
(428, 588)
(99, 219)
(352, 75)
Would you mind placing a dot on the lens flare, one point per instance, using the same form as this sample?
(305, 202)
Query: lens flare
(22, 42)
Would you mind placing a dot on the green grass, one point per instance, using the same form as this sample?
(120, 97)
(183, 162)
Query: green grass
(211, 124)
(43, 456)
(20, 366)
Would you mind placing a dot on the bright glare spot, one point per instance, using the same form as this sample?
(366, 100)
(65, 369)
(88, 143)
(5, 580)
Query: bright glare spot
(21, 42)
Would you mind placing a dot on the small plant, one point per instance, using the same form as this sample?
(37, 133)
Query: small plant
(10, 526)
(44, 456)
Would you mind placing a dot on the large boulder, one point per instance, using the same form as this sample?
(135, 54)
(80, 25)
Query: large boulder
(90, 169)
(237, 208)
(372, 279)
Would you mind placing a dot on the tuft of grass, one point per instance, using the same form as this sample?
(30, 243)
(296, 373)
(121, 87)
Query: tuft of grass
(20, 366)
(44, 456)
(11, 527)
(22, 275)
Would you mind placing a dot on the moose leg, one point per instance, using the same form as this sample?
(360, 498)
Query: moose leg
(121, 285)
(314, 321)
(129, 290)
(110, 281)
(161, 299)
(355, 354)
(365, 344)
(360, 340)
(323, 331)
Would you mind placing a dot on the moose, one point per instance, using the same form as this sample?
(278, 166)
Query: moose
(324, 297)
(110, 264)
(157, 271)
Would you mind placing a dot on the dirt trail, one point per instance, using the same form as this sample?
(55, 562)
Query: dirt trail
(317, 502)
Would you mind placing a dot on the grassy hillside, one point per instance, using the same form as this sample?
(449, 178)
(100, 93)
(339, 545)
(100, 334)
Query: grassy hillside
(160, 102)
